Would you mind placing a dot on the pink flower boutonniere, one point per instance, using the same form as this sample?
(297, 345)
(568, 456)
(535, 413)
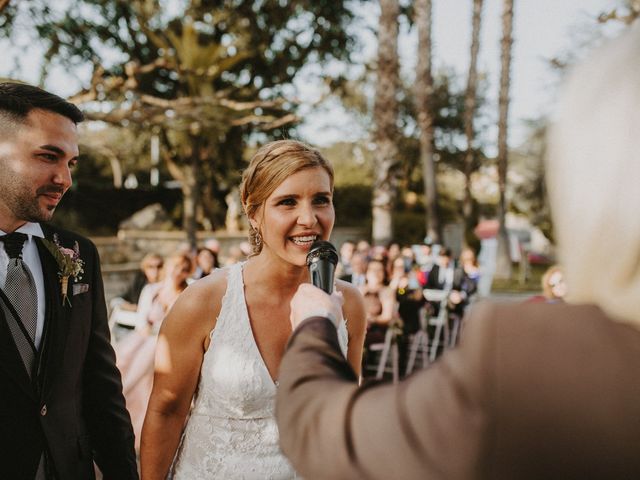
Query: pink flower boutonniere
(69, 263)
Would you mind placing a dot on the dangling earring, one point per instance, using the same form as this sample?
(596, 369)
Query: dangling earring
(258, 239)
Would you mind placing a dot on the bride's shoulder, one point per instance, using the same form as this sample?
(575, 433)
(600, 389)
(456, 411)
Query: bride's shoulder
(201, 300)
(353, 307)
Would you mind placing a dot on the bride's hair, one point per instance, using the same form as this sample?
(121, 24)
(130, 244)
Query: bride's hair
(268, 168)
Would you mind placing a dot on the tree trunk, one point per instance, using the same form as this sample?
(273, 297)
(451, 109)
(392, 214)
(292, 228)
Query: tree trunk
(191, 194)
(187, 172)
(425, 114)
(385, 114)
(3, 4)
(470, 101)
(503, 267)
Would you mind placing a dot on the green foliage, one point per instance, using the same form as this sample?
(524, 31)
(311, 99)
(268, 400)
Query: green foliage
(203, 76)
(353, 205)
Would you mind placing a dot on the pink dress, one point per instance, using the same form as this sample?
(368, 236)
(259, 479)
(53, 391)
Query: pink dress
(135, 355)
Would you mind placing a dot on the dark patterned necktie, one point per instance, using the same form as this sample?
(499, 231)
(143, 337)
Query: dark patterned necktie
(20, 287)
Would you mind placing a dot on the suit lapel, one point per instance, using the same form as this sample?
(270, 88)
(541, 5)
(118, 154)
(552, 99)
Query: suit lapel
(10, 360)
(57, 317)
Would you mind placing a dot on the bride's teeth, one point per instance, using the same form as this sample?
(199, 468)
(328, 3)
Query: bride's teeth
(304, 240)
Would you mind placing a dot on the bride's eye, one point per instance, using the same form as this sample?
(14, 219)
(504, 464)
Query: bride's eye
(289, 202)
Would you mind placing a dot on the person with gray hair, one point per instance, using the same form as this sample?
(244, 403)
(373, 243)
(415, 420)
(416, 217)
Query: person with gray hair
(534, 390)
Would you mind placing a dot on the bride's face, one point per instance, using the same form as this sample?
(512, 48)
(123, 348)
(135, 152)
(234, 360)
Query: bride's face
(297, 213)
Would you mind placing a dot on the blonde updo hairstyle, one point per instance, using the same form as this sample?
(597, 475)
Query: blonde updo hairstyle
(268, 168)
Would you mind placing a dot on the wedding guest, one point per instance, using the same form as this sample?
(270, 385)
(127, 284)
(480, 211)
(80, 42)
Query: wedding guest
(220, 348)
(206, 262)
(554, 286)
(135, 353)
(150, 268)
(534, 390)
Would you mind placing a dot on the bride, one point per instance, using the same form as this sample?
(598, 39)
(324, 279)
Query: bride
(221, 345)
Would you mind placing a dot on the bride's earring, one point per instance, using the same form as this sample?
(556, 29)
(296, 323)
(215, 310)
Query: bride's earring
(258, 238)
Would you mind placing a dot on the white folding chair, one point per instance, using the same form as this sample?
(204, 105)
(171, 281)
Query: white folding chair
(419, 343)
(389, 360)
(440, 321)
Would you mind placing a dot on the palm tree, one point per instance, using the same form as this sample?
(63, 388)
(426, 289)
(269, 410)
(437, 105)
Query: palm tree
(425, 116)
(385, 114)
(470, 101)
(503, 267)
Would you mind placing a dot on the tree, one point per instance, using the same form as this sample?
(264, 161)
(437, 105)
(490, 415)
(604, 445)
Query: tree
(503, 267)
(424, 92)
(203, 77)
(385, 116)
(631, 11)
(470, 101)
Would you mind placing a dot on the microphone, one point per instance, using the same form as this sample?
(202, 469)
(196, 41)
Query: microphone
(321, 261)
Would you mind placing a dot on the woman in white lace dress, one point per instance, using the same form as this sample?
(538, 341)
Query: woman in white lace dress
(223, 341)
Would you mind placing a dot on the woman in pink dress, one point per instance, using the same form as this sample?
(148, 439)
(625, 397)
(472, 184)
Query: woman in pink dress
(136, 352)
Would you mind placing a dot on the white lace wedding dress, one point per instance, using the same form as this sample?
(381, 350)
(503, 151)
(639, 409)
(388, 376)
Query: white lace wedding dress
(231, 432)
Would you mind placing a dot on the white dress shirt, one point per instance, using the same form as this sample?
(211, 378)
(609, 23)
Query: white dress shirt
(32, 259)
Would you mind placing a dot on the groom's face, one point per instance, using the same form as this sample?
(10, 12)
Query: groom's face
(36, 160)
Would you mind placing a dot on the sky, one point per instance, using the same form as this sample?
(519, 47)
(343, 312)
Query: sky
(542, 29)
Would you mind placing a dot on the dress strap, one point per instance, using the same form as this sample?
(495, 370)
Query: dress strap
(232, 296)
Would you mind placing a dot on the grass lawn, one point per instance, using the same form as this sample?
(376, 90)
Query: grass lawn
(520, 283)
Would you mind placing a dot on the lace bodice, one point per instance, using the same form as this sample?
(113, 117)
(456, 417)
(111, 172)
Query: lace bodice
(231, 432)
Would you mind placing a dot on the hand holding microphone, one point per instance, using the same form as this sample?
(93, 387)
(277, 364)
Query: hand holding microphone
(318, 300)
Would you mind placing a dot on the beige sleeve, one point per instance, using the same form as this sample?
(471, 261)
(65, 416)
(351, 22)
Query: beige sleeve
(432, 425)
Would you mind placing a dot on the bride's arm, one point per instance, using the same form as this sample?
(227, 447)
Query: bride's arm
(182, 342)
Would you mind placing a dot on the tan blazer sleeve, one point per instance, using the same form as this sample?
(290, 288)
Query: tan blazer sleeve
(431, 425)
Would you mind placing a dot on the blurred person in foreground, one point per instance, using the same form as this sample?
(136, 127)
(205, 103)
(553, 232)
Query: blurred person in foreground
(219, 350)
(535, 390)
(61, 403)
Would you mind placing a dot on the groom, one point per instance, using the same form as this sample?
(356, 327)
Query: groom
(61, 403)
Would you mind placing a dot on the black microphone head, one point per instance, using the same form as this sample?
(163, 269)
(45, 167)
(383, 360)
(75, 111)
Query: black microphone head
(322, 250)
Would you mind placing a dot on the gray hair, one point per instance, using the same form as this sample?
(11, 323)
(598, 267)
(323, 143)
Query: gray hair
(594, 175)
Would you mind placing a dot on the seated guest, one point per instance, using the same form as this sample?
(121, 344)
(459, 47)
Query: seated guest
(150, 267)
(554, 287)
(206, 262)
(445, 276)
(534, 391)
(135, 353)
(358, 270)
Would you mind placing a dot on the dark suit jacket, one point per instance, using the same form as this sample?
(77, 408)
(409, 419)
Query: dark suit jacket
(533, 392)
(74, 410)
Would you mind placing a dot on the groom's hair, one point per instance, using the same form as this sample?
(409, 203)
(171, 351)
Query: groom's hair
(18, 99)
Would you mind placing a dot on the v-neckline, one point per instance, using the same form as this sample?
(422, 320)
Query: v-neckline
(265, 368)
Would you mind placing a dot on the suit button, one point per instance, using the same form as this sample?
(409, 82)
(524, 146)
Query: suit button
(43, 410)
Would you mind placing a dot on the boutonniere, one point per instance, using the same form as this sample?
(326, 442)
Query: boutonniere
(69, 263)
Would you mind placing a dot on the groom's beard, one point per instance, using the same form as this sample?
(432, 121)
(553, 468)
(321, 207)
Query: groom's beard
(29, 207)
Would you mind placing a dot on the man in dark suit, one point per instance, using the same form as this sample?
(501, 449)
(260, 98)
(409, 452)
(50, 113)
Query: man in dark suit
(534, 391)
(61, 405)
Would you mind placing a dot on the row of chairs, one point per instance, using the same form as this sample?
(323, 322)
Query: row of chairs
(422, 346)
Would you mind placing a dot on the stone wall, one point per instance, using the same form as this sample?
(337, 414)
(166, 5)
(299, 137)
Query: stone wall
(120, 256)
